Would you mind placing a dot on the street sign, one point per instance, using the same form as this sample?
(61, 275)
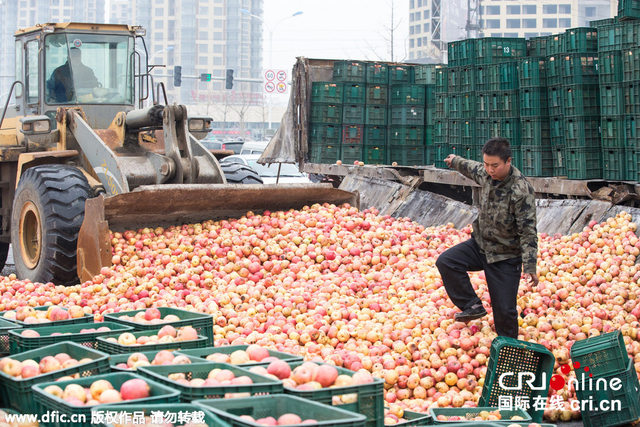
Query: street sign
(281, 87)
(269, 75)
(281, 75)
(275, 81)
(269, 87)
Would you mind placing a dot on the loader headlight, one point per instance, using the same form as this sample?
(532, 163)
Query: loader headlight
(196, 124)
(35, 124)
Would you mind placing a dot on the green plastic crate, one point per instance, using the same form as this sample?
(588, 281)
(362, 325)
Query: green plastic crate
(628, 10)
(442, 106)
(556, 128)
(406, 135)
(468, 136)
(601, 22)
(202, 323)
(630, 35)
(415, 419)
(467, 78)
(426, 73)
(535, 131)
(442, 80)
(605, 354)
(631, 92)
(19, 343)
(324, 112)
(375, 154)
(610, 37)
(176, 413)
(533, 102)
(581, 100)
(628, 396)
(537, 160)
(455, 106)
(17, 392)
(352, 134)
(483, 104)
(631, 127)
(486, 129)
(349, 71)
(46, 402)
(469, 413)
(375, 115)
(510, 129)
(376, 94)
(202, 353)
(406, 155)
(429, 116)
(370, 399)
(556, 44)
(508, 75)
(583, 39)
(406, 115)
(429, 132)
(377, 73)
(613, 163)
(610, 69)
(353, 114)
(510, 103)
(115, 348)
(454, 132)
(612, 131)
(5, 327)
(461, 52)
(509, 355)
(584, 163)
(469, 152)
(354, 93)
(87, 318)
(537, 46)
(115, 359)
(159, 374)
(612, 99)
(375, 135)
(579, 68)
(632, 160)
(532, 72)
(553, 67)
(499, 49)
(327, 92)
(325, 133)
(400, 74)
(430, 95)
(559, 153)
(407, 94)
(582, 132)
(324, 153)
(351, 153)
(230, 410)
(468, 105)
(631, 65)
(441, 131)
(441, 151)
(482, 77)
(453, 75)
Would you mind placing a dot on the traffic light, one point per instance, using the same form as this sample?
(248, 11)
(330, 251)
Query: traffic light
(177, 76)
(205, 77)
(229, 80)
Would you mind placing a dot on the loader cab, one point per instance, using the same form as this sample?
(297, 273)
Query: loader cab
(86, 65)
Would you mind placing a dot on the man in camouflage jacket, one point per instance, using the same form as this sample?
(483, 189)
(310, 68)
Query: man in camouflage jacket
(504, 239)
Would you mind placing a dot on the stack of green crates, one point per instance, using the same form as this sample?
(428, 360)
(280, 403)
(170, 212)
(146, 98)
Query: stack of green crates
(376, 97)
(352, 74)
(325, 121)
(631, 103)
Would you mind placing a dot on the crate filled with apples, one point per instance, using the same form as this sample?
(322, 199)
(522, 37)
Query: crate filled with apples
(35, 317)
(280, 409)
(396, 415)
(166, 338)
(4, 420)
(358, 392)
(209, 380)
(85, 334)
(19, 372)
(5, 327)
(154, 317)
(241, 355)
(80, 396)
(167, 415)
(501, 416)
(131, 361)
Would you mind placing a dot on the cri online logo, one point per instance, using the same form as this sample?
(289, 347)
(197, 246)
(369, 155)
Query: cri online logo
(557, 381)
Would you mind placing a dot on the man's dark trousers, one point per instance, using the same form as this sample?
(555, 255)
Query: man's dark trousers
(503, 279)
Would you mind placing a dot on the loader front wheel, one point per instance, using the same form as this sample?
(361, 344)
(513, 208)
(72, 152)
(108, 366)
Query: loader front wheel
(238, 173)
(48, 210)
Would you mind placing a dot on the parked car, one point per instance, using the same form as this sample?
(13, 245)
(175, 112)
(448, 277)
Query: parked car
(254, 147)
(235, 145)
(288, 173)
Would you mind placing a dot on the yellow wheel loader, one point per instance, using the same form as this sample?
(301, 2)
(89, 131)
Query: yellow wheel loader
(78, 159)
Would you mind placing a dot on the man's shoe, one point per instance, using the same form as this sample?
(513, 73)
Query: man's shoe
(472, 313)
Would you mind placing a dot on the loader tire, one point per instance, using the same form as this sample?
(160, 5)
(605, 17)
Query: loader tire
(48, 210)
(237, 173)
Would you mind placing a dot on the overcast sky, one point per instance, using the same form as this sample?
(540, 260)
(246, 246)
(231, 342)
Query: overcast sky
(334, 29)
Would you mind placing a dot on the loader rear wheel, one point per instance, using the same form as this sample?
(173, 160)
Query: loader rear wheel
(237, 173)
(48, 210)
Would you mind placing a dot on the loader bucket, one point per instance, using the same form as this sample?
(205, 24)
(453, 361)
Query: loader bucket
(177, 204)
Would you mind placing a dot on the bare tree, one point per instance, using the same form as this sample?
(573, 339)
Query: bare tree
(389, 36)
(240, 103)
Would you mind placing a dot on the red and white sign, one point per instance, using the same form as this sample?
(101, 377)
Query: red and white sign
(269, 75)
(281, 75)
(281, 87)
(275, 81)
(269, 87)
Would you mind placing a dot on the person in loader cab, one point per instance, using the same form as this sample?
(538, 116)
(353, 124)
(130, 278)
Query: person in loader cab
(69, 76)
(503, 243)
